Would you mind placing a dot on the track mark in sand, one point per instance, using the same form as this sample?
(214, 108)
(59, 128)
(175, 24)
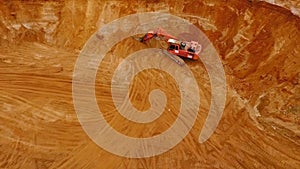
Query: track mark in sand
(32, 83)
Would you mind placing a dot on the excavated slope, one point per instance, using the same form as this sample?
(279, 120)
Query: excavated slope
(258, 44)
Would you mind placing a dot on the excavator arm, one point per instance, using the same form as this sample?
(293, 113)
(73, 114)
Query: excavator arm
(158, 33)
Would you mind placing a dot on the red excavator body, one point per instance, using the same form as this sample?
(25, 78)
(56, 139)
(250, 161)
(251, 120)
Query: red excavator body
(176, 47)
(181, 49)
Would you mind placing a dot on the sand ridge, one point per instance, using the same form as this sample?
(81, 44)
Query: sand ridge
(257, 43)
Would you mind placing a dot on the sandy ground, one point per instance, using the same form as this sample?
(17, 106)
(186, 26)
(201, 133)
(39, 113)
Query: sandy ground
(258, 44)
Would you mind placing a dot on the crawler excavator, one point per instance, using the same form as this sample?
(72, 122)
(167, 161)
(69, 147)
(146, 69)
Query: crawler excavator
(176, 49)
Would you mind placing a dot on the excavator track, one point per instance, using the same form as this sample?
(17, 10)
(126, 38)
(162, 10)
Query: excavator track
(175, 58)
(137, 38)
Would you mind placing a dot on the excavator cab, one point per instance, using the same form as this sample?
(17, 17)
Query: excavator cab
(171, 47)
(174, 48)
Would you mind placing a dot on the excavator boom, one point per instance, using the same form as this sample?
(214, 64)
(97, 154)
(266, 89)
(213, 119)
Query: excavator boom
(158, 33)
